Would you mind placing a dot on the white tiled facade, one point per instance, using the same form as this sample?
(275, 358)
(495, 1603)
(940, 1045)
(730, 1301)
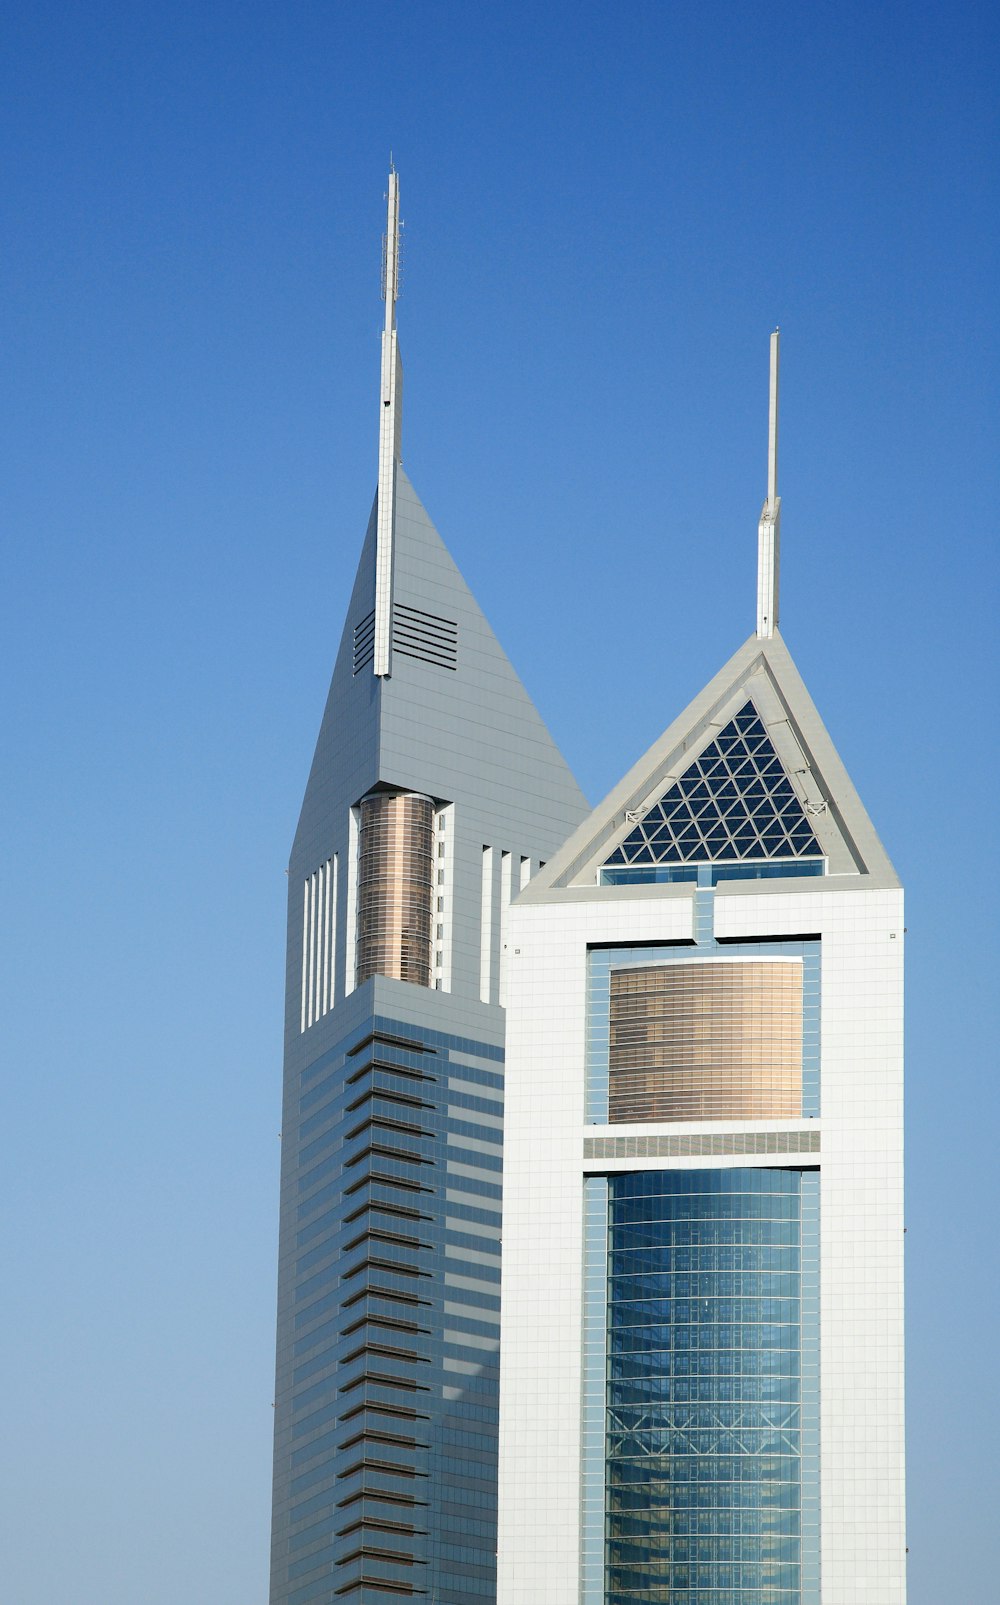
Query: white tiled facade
(858, 921)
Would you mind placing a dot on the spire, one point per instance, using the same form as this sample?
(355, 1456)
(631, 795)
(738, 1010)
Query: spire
(390, 423)
(769, 529)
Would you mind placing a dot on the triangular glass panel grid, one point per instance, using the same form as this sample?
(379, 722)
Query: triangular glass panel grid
(740, 764)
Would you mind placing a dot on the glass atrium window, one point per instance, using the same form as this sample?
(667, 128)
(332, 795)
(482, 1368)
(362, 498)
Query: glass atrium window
(704, 1405)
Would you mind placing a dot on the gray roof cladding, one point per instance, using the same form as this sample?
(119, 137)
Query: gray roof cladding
(761, 672)
(452, 720)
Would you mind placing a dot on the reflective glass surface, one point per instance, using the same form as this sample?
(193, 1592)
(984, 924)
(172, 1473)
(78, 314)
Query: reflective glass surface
(704, 1390)
(735, 802)
(395, 881)
(708, 874)
(389, 1320)
(706, 1041)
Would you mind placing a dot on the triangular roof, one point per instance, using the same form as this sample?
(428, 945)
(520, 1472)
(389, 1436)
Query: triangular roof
(452, 719)
(684, 800)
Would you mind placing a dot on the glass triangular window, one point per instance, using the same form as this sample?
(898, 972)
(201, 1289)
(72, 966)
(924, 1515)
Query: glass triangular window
(745, 805)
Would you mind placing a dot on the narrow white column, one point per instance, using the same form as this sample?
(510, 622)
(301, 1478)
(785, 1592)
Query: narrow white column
(486, 929)
(505, 896)
(305, 956)
(769, 528)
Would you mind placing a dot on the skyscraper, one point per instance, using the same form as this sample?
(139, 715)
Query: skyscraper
(435, 794)
(701, 1361)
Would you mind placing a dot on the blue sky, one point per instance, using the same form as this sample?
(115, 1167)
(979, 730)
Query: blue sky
(607, 209)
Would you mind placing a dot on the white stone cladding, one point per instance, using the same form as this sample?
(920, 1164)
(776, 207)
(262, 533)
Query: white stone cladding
(861, 1367)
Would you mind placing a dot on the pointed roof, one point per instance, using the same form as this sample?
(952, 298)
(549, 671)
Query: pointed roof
(453, 719)
(748, 771)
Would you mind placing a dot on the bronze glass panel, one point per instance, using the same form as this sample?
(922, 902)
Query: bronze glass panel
(395, 887)
(708, 1041)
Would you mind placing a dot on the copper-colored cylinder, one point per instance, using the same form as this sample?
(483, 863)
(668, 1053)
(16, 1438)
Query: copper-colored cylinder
(395, 887)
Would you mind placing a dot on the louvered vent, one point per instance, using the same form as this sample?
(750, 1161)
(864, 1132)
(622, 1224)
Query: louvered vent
(426, 636)
(364, 642)
(728, 1142)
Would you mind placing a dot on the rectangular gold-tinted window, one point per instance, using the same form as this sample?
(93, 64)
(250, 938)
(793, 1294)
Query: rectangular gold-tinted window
(706, 1041)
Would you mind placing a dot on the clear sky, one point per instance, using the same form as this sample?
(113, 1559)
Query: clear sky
(608, 208)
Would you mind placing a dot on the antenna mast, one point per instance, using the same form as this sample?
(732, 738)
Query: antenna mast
(390, 427)
(769, 528)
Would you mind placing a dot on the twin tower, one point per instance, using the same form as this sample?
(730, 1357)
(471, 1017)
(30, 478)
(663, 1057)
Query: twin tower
(658, 1047)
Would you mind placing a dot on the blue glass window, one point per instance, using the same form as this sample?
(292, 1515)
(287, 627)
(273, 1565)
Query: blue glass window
(642, 874)
(704, 1391)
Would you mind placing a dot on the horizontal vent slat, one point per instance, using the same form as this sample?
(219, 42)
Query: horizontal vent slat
(364, 642)
(427, 631)
(425, 636)
(431, 619)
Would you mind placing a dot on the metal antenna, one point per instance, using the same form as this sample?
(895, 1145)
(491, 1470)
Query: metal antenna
(390, 429)
(769, 528)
